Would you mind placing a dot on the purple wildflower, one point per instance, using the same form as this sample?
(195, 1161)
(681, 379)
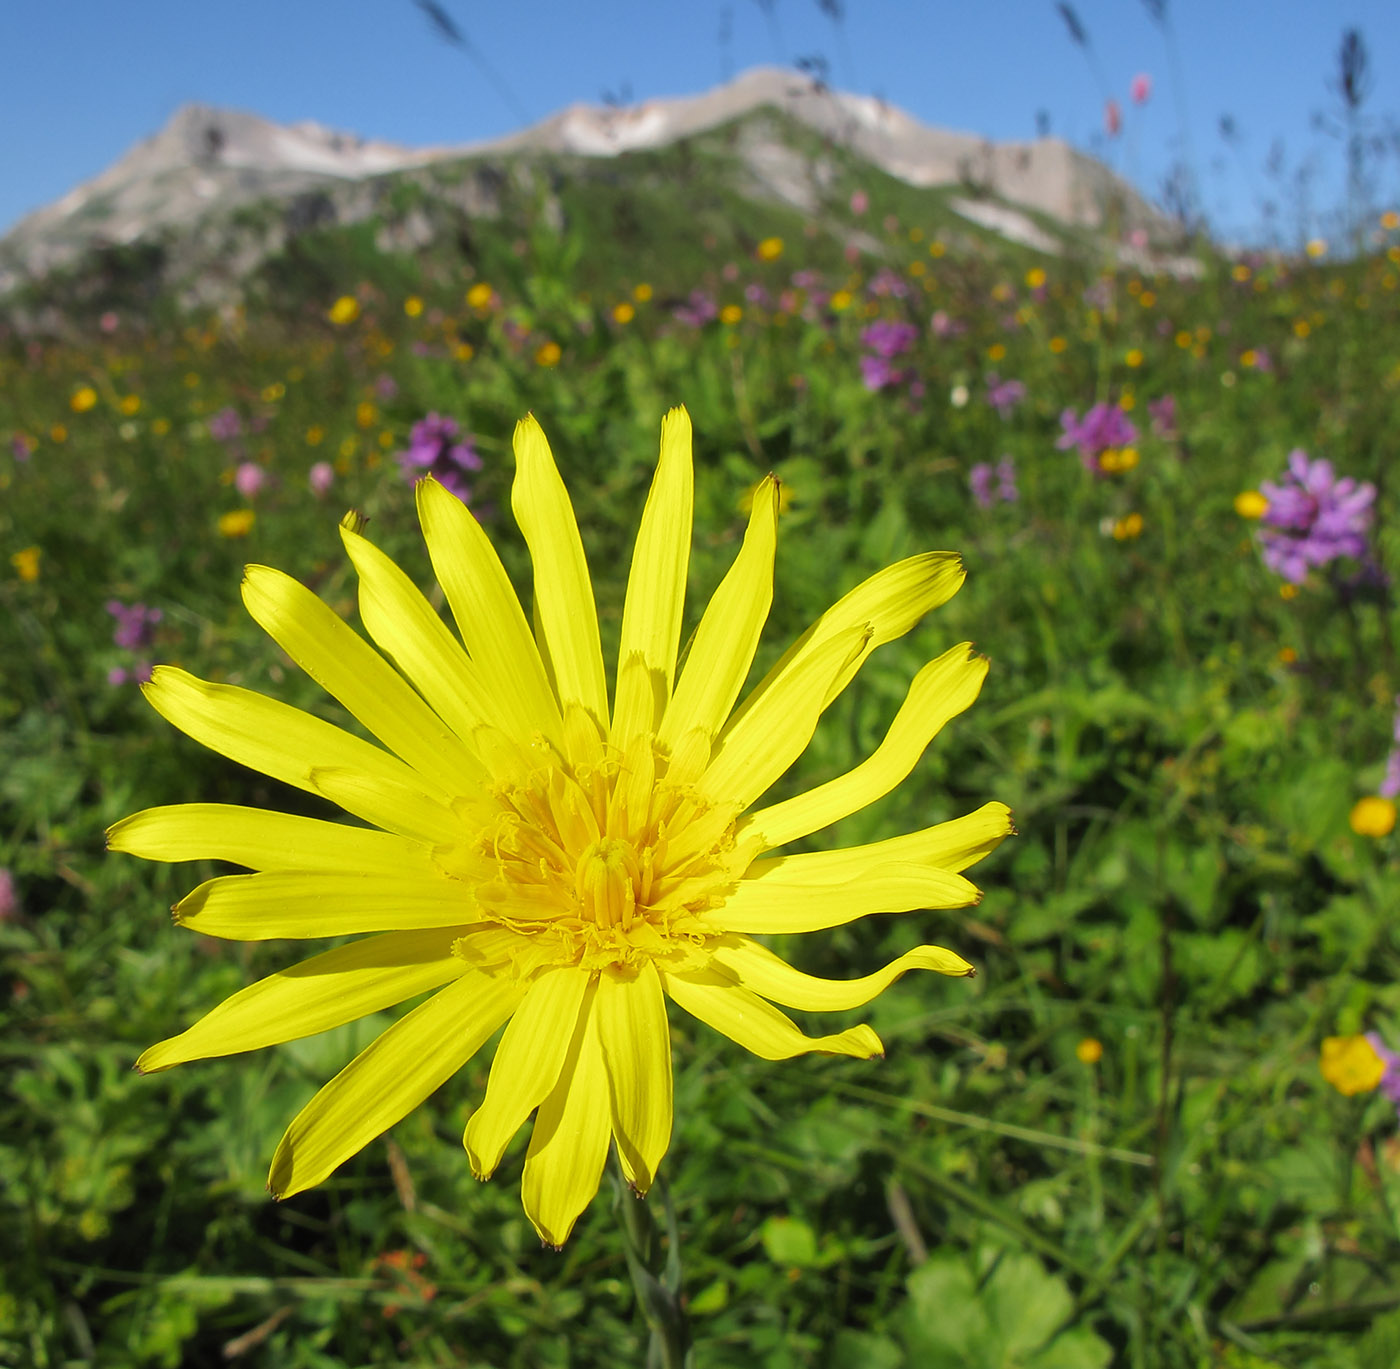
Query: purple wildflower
(805, 280)
(1004, 395)
(433, 450)
(992, 484)
(1390, 786)
(249, 478)
(756, 295)
(225, 425)
(699, 310)
(1162, 412)
(22, 446)
(884, 340)
(136, 624)
(385, 387)
(1313, 518)
(321, 477)
(943, 325)
(888, 284)
(1390, 1080)
(1104, 428)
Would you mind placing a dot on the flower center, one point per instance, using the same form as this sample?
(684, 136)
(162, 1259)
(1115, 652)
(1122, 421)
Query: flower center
(603, 857)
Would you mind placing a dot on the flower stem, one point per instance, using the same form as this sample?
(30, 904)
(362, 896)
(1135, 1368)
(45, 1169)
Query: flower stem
(655, 1271)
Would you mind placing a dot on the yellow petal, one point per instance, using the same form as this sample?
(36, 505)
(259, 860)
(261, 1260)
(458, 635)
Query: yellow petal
(942, 689)
(569, 1142)
(724, 644)
(390, 1078)
(755, 967)
(264, 840)
(651, 614)
(763, 742)
(773, 904)
(527, 1064)
(636, 1041)
(301, 904)
(407, 629)
(349, 669)
(714, 997)
(326, 991)
(565, 613)
(488, 614)
(268, 736)
(889, 603)
(391, 803)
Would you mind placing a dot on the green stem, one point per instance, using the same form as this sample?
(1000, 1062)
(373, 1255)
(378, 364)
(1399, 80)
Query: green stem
(655, 1270)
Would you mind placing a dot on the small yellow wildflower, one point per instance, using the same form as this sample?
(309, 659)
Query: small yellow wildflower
(160, 427)
(548, 354)
(315, 435)
(916, 234)
(770, 249)
(1134, 357)
(1249, 358)
(1390, 220)
(1301, 327)
(1147, 299)
(1118, 459)
(83, 399)
(1127, 527)
(385, 439)
(236, 523)
(641, 292)
(345, 310)
(623, 313)
(1350, 1064)
(841, 301)
(1317, 247)
(936, 249)
(996, 351)
(1241, 272)
(480, 296)
(365, 414)
(272, 393)
(1089, 1051)
(1287, 655)
(413, 306)
(58, 433)
(731, 313)
(26, 564)
(1058, 344)
(1035, 277)
(130, 404)
(1287, 591)
(348, 447)
(191, 380)
(1373, 816)
(917, 269)
(1127, 401)
(464, 351)
(1251, 504)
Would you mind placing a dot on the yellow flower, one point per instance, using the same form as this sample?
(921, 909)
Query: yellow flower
(1241, 272)
(345, 310)
(936, 249)
(1147, 299)
(770, 249)
(996, 351)
(1317, 247)
(641, 292)
(130, 404)
(315, 435)
(1287, 655)
(1287, 590)
(236, 523)
(1117, 459)
(413, 306)
(731, 313)
(1301, 328)
(83, 399)
(1390, 220)
(480, 296)
(552, 860)
(1127, 527)
(1373, 817)
(272, 393)
(623, 313)
(840, 301)
(464, 351)
(160, 427)
(1134, 357)
(1251, 504)
(365, 414)
(548, 354)
(26, 564)
(1035, 277)
(1058, 345)
(1350, 1064)
(1089, 1051)
(58, 433)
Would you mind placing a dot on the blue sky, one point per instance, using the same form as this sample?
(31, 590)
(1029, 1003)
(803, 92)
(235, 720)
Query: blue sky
(85, 79)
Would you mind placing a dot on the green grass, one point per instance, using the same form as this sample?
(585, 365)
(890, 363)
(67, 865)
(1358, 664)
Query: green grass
(1181, 745)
